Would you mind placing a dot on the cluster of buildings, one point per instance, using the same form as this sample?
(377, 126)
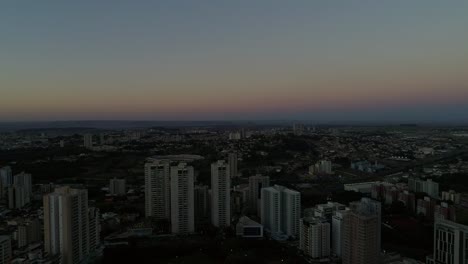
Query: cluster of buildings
(447, 209)
(172, 195)
(351, 234)
(366, 166)
(103, 141)
(64, 230)
(431, 206)
(322, 167)
(440, 169)
(428, 186)
(450, 231)
(421, 197)
(237, 135)
(325, 232)
(17, 188)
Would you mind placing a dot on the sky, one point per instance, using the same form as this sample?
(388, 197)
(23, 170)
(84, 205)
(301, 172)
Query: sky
(362, 60)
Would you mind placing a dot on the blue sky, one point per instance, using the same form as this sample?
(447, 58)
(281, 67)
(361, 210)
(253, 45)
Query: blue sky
(198, 60)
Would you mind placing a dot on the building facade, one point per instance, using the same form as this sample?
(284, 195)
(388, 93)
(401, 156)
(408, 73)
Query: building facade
(256, 183)
(25, 180)
(247, 228)
(314, 239)
(182, 199)
(66, 224)
(88, 141)
(321, 167)
(220, 194)
(94, 228)
(337, 232)
(450, 243)
(17, 197)
(233, 167)
(280, 211)
(361, 233)
(117, 187)
(6, 176)
(29, 232)
(428, 186)
(5, 249)
(202, 204)
(158, 190)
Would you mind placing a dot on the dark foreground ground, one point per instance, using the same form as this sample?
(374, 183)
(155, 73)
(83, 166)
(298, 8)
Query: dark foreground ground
(201, 250)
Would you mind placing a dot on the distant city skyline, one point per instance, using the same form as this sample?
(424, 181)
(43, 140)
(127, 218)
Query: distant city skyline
(373, 61)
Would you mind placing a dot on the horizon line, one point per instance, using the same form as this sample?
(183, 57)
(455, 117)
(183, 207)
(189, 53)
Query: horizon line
(334, 121)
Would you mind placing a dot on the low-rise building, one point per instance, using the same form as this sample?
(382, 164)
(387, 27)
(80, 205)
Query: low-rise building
(248, 228)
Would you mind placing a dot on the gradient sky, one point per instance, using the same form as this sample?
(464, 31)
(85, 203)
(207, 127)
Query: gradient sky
(360, 60)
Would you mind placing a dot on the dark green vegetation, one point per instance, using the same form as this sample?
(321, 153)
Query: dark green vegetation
(408, 236)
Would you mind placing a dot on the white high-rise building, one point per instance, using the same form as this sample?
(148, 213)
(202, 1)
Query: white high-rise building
(117, 187)
(66, 224)
(17, 197)
(6, 176)
(94, 228)
(25, 180)
(232, 160)
(182, 199)
(88, 141)
(256, 183)
(290, 212)
(5, 249)
(158, 189)
(314, 238)
(321, 167)
(450, 243)
(337, 232)
(220, 194)
(428, 186)
(432, 189)
(280, 210)
(270, 210)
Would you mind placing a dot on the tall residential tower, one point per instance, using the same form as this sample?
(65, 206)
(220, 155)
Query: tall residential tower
(232, 160)
(220, 194)
(182, 199)
(361, 233)
(158, 190)
(280, 210)
(66, 225)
